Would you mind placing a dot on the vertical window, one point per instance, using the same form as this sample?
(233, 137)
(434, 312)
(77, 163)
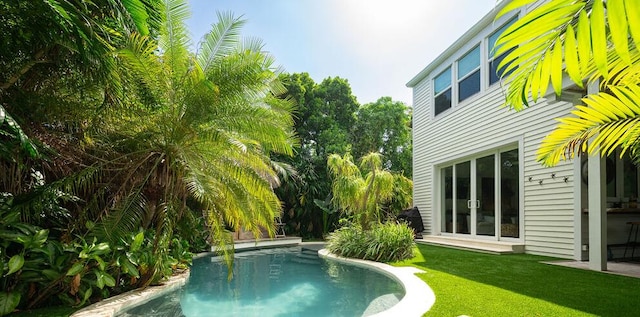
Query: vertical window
(469, 74)
(494, 61)
(442, 91)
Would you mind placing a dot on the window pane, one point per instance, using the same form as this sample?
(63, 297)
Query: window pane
(509, 196)
(486, 193)
(469, 62)
(442, 81)
(443, 102)
(496, 34)
(494, 75)
(462, 196)
(630, 178)
(469, 86)
(447, 205)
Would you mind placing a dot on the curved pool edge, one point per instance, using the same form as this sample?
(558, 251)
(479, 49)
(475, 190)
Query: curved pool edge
(111, 306)
(418, 298)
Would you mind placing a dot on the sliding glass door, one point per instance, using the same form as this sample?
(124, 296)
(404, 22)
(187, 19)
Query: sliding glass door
(480, 196)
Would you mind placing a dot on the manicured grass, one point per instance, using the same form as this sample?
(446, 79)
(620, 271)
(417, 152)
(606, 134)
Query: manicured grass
(61, 311)
(478, 284)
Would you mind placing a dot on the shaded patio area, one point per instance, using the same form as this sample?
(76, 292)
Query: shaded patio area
(631, 269)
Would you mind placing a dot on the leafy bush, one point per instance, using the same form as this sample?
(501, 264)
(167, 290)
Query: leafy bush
(383, 242)
(36, 269)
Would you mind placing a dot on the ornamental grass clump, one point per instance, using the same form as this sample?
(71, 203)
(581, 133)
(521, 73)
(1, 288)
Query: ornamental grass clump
(383, 242)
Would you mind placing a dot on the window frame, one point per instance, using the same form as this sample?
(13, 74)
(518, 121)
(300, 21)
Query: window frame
(448, 88)
(472, 72)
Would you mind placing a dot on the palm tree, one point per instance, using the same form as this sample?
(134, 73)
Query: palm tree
(593, 42)
(196, 135)
(361, 192)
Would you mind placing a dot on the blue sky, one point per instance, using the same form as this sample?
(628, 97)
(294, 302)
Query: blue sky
(378, 45)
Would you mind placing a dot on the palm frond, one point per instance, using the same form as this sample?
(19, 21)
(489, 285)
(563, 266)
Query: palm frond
(220, 41)
(138, 13)
(566, 36)
(608, 121)
(174, 38)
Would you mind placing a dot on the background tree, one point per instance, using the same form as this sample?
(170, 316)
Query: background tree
(323, 123)
(591, 42)
(384, 126)
(61, 44)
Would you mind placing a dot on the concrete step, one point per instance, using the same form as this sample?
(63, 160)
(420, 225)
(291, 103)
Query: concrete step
(486, 246)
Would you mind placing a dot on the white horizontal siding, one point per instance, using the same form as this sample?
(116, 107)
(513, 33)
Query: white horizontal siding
(483, 124)
(421, 169)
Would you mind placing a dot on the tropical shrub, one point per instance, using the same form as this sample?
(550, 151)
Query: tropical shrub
(383, 242)
(37, 269)
(363, 192)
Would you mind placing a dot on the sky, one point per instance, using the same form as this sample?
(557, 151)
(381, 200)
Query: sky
(377, 45)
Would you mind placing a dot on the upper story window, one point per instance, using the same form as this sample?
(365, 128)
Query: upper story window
(442, 91)
(469, 74)
(494, 61)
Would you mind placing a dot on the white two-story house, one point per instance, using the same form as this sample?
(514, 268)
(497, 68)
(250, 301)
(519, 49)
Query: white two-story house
(476, 178)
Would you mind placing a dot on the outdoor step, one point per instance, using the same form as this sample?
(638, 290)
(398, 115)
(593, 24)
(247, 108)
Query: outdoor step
(309, 256)
(309, 252)
(305, 260)
(494, 247)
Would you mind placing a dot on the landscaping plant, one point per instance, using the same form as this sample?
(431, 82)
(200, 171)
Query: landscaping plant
(383, 242)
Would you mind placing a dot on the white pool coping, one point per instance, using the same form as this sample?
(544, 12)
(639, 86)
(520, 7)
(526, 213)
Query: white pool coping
(111, 306)
(418, 297)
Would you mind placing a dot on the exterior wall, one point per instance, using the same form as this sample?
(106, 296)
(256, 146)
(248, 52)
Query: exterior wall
(484, 125)
(480, 124)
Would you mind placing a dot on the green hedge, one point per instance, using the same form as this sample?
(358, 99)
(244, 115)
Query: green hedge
(385, 242)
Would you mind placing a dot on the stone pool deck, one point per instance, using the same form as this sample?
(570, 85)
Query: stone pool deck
(418, 297)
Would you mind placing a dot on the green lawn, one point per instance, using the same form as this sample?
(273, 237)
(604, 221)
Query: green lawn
(478, 284)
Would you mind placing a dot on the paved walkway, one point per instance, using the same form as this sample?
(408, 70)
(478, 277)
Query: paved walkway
(631, 269)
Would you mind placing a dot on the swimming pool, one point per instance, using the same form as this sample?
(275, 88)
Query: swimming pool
(277, 282)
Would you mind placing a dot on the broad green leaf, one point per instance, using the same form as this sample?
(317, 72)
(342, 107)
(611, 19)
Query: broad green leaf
(556, 67)
(101, 263)
(100, 249)
(75, 269)
(545, 75)
(599, 37)
(138, 14)
(87, 294)
(571, 56)
(108, 280)
(129, 268)
(583, 34)
(50, 274)
(40, 237)
(137, 242)
(633, 17)
(99, 279)
(8, 302)
(618, 27)
(11, 217)
(15, 263)
(512, 6)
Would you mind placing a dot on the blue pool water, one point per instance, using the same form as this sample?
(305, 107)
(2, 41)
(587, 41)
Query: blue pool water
(277, 282)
